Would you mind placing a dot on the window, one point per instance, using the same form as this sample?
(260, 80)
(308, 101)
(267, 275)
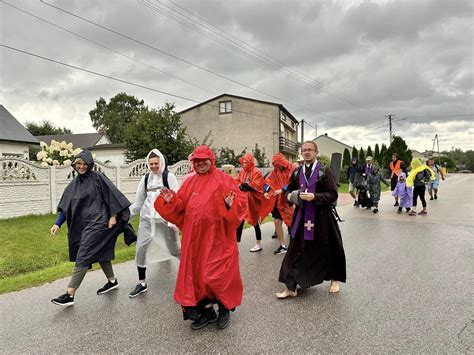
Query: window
(282, 116)
(225, 106)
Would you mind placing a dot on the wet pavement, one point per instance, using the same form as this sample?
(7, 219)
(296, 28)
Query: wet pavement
(409, 289)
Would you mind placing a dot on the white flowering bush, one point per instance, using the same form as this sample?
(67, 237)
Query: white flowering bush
(57, 153)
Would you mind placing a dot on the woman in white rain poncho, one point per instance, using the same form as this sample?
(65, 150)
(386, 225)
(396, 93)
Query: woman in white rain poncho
(153, 230)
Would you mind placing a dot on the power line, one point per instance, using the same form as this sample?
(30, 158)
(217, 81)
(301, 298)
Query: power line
(107, 48)
(96, 73)
(442, 116)
(253, 51)
(188, 62)
(123, 80)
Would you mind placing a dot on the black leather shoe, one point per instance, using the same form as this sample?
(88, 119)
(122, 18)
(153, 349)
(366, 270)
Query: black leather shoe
(209, 316)
(223, 319)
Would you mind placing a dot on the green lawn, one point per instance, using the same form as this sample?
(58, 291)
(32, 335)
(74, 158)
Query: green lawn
(344, 187)
(30, 256)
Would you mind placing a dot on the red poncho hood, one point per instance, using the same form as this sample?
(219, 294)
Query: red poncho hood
(250, 162)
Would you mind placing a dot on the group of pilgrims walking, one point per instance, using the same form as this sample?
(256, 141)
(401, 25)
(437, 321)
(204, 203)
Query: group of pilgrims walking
(407, 187)
(210, 209)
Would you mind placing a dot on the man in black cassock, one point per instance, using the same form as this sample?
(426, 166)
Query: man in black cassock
(315, 253)
(96, 212)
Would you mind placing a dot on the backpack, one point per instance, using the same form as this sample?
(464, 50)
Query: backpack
(164, 177)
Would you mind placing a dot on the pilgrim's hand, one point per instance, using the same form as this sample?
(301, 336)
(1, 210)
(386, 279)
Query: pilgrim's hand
(229, 200)
(266, 195)
(112, 222)
(307, 196)
(54, 229)
(277, 192)
(166, 194)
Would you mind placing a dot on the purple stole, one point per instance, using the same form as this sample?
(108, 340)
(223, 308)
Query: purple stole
(308, 206)
(368, 171)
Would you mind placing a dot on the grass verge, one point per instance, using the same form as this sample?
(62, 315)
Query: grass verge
(30, 256)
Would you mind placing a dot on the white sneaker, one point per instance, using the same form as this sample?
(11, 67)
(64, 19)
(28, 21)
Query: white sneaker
(256, 248)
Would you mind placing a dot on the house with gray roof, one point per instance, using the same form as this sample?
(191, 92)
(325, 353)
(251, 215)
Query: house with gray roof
(15, 139)
(80, 140)
(328, 145)
(98, 143)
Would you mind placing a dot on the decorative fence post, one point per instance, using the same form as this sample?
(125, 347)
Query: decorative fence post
(52, 189)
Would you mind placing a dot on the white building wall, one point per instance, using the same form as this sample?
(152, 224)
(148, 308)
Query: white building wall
(328, 146)
(110, 156)
(103, 140)
(9, 149)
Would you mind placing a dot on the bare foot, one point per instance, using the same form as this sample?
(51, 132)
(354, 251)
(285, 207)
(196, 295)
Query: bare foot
(286, 293)
(334, 288)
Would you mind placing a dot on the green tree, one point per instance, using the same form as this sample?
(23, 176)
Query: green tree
(369, 152)
(228, 156)
(114, 117)
(346, 158)
(458, 157)
(383, 153)
(400, 147)
(361, 155)
(260, 157)
(158, 128)
(46, 128)
(470, 156)
(355, 152)
(377, 154)
(325, 160)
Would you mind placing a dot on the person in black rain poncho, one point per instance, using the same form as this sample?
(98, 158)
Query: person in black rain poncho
(96, 212)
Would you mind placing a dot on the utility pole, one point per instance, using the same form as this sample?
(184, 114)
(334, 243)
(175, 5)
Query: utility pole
(302, 131)
(436, 141)
(389, 117)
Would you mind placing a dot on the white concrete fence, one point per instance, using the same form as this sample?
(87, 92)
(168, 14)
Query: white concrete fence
(27, 188)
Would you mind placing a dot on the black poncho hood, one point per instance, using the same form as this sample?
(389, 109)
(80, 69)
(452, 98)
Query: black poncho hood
(87, 157)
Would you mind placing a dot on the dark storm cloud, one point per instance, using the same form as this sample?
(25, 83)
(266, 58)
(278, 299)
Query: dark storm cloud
(409, 58)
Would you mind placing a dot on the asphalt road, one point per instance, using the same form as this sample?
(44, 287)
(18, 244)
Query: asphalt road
(409, 289)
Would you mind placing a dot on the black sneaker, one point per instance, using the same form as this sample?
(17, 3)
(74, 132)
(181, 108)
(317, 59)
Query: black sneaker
(431, 198)
(64, 300)
(274, 236)
(436, 196)
(396, 204)
(209, 316)
(281, 250)
(109, 286)
(356, 203)
(224, 318)
(138, 289)
(375, 210)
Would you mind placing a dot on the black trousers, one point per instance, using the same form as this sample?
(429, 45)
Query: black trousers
(258, 232)
(419, 191)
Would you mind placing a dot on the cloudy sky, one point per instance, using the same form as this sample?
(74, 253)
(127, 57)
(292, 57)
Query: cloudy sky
(339, 65)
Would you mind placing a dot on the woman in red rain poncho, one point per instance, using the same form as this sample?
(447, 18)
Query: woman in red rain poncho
(275, 185)
(250, 180)
(207, 208)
